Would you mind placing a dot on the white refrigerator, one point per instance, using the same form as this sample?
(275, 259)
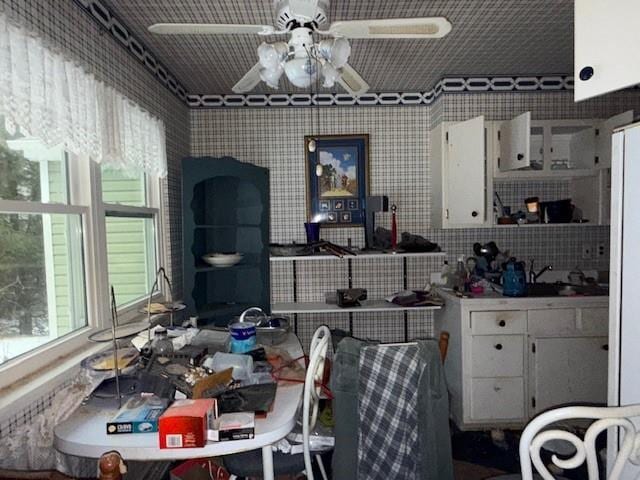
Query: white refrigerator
(624, 300)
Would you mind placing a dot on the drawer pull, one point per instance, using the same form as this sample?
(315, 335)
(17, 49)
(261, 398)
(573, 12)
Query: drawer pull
(498, 346)
(496, 389)
(605, 347)
(502, 323)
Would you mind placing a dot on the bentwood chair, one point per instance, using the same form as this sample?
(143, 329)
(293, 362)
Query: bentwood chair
(249, 464)
(541, 430)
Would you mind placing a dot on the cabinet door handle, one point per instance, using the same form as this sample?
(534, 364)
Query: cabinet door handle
(502, 323)
(520, 156)
(498, 346)
(474, 214)
(605, 347)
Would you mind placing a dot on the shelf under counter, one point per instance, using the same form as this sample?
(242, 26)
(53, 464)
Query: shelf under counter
(359, 256)
(366, 306)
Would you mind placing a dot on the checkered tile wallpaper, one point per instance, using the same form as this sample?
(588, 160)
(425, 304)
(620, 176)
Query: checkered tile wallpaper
(399, 168)
(70, 29)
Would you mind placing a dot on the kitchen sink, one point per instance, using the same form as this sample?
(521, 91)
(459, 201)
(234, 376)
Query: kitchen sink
(564, 289)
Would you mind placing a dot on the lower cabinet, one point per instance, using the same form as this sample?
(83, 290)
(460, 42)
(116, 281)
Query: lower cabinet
(568, 370)
(506, 366)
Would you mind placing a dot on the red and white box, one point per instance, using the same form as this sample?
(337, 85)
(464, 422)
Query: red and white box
(185, 423)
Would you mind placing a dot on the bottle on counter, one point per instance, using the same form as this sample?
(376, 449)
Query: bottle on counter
(445, 275)
(461, 275)
(161, 343)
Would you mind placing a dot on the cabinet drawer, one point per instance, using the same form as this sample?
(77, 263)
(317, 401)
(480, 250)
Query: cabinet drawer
(501, 323)
(552, 321)
(497, 356)
(594, 321)
(497, 398)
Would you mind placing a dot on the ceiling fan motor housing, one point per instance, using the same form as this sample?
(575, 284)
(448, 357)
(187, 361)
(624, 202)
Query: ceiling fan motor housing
(298, 13)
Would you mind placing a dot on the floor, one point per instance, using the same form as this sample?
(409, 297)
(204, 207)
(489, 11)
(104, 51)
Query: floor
(475, 451)
(477, 456)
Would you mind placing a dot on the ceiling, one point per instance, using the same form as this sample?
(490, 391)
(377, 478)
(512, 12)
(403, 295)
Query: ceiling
(489, 37)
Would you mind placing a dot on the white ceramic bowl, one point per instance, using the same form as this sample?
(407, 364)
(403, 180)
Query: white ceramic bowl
(222, 260)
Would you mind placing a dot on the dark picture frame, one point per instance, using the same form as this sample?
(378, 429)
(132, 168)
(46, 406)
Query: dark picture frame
(344, 181)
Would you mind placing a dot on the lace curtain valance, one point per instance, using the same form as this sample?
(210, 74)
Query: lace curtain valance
(55, 100)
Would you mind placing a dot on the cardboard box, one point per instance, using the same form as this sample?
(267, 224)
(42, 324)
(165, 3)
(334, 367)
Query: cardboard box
(139, 415)
(233, 426)
(185, 423)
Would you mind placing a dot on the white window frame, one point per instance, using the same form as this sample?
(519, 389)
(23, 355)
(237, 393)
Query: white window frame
(88, 203)
(153, 188)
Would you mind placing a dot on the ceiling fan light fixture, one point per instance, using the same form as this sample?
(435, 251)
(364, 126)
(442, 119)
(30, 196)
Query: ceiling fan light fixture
(324, 49)
(272, 76)
(301, 71)
(272, 54)
(340, 51)
(330, 74)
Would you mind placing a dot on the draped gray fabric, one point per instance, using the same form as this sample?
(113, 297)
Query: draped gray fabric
(431, 458)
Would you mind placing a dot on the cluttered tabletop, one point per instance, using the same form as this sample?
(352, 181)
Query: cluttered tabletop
(182, 394)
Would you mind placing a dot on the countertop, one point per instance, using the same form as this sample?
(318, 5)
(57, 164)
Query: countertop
(494, 298)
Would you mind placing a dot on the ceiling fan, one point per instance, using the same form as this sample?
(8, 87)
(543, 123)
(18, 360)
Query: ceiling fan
(303, 60)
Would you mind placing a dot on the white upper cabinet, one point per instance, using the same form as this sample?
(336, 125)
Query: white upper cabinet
(459, 174)
(607, 35)
(603, 139)
(465, 170)
(515, 143)
(554, 148)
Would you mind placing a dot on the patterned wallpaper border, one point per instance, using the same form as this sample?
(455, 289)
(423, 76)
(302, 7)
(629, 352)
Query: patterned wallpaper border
(120, 32)
(101, 14)
(446, 85)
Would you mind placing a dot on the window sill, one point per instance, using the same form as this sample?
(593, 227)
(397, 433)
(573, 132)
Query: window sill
(39, 384)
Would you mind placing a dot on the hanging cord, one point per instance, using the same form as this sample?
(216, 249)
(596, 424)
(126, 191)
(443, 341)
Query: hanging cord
(317, 92)
(310, 86)
(274, 374)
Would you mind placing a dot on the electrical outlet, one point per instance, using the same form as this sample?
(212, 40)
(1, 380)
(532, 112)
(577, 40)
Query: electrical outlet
(587, 251)
(601, 249)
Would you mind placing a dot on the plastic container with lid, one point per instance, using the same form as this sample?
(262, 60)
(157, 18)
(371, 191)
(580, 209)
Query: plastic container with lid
(242, 364)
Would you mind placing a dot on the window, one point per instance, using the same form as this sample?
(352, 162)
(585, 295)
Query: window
(42, 284)
(131, 234)
(60, 241)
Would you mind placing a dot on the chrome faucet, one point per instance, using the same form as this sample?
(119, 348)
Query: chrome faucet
(533, 276)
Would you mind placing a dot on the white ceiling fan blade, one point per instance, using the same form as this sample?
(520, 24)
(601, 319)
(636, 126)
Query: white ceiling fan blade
(209, 29)
(249, 81)
(429, 27)
(352, 82)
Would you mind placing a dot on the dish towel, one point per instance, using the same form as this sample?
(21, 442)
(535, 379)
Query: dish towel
(388, 386)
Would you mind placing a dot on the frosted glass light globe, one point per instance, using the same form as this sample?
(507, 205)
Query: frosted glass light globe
(272, 54)
(340, 52)
(330, 75)
(271, 76)
(301, 71)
